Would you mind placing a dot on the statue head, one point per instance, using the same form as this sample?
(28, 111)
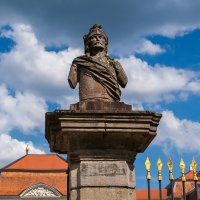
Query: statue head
(95, 33)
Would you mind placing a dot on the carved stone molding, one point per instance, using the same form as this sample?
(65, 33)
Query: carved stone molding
(40, 190)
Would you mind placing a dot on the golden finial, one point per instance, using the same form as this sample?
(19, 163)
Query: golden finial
(27, 149)
(159, 166)
(170, 167)
(148, 166)
(194, 169)
(182, 167)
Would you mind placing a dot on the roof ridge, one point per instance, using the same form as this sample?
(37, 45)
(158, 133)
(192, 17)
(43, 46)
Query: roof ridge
(48, 154)
(34, 157)
(62, 158)
(12, 163)
(65, 160)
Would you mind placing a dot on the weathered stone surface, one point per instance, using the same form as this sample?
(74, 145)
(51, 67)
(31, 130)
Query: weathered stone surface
(101, 147)
(68, 131)
(100, 134)
(97, 193)
(99, 76)
(102, 174)
(95, 106)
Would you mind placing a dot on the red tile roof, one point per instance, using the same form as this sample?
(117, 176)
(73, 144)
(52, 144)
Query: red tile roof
(33, 169)
(188, 176)
(155, 195)
(189, 184)
(178, 188)
(38, 162)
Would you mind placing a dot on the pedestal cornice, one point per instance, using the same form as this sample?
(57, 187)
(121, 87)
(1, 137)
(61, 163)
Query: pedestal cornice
(68, 131)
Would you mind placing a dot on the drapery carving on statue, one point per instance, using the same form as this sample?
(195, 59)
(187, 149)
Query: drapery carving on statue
(99, 76)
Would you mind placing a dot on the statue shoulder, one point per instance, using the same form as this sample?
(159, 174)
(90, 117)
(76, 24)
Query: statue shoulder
(113, 61)
(79, 58)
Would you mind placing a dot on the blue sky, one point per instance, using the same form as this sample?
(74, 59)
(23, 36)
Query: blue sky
(158, 46)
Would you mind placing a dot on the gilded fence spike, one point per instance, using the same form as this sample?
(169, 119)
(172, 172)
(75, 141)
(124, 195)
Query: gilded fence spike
(182, 167)
(171, 177)
(170, 167)
(194, 169)
(148, 166)
(159, 166)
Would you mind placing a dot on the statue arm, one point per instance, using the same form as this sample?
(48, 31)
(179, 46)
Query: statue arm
(73, 76)
(121, 75)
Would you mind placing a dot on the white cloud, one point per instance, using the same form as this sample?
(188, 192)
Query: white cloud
(30, 76)
(11, 149)
(28, 67)
(147, 47)
(150, 84)
(194, 86)
(181, 134)
(24, 111)
(173, 30)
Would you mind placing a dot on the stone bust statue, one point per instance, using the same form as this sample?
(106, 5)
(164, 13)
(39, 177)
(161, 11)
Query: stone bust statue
(98, 75)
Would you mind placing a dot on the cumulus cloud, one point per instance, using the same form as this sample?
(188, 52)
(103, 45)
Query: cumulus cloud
(194, 86)
(173, 30)
(11, 149)
(30, 77)
(181, 134)
(151, 84)
(34, 69)
(24, 111)
(147, 47)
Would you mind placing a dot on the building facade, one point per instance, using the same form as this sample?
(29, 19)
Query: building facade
(34, 177)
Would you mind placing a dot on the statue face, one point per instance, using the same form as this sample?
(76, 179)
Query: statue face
(97, 42)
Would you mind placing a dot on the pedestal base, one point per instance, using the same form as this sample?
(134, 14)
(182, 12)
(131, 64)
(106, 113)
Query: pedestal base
(101, 147)
(110, 171)
(102, 179)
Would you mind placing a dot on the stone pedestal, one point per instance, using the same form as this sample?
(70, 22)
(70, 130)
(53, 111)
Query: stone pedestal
(101, 147)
